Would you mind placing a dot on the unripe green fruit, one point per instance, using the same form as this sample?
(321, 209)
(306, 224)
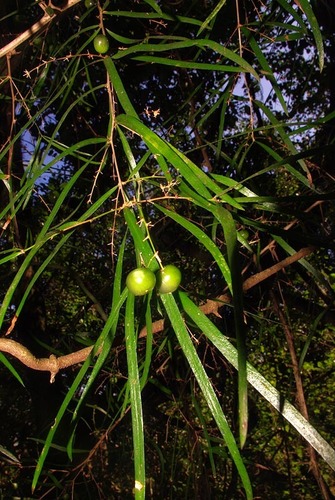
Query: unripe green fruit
(89, 3)
(244, 234)
(101, 44)
(38, 41)
(140, 281)
(168, 279)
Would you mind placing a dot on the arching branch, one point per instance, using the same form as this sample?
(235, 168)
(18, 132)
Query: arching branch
(54, 364)
(51, 364)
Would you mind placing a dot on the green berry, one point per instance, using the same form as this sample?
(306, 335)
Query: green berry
(101, 44)
(168, 279)
(37, 42)
(244, 234)
(140, 281)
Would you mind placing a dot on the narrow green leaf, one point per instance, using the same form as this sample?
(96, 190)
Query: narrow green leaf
(185, 44)
(152, 15)
(287, 5)
(287, 141)
(211, 16)
(148, 349)
(51, 434)
(200, 374)
(177, 63)
(210, 448)
(194, 175)
(119, 87)
(311, 334)
(9, 455)
(225, 99)
(270, 393)
(232, 184)
(226, 220)
(11, 368)
(154, 6)
(123, 39)
(107, 337)
(135, 399)
(129, 154)
(109, 325)
(204, 240)
(69, 446)
(267, 71)
(41, 239)
(12, 254)
(160, 147)
(308, 11)
(145, 254)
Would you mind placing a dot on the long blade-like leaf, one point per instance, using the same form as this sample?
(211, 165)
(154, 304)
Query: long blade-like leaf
(110, 323)
(135, 400)
(204, 240)
(200, 374)
(226, 220)
(270, 393)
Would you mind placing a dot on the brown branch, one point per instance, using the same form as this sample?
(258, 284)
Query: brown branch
(212, 306)
(53, 364)
(34, 29)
